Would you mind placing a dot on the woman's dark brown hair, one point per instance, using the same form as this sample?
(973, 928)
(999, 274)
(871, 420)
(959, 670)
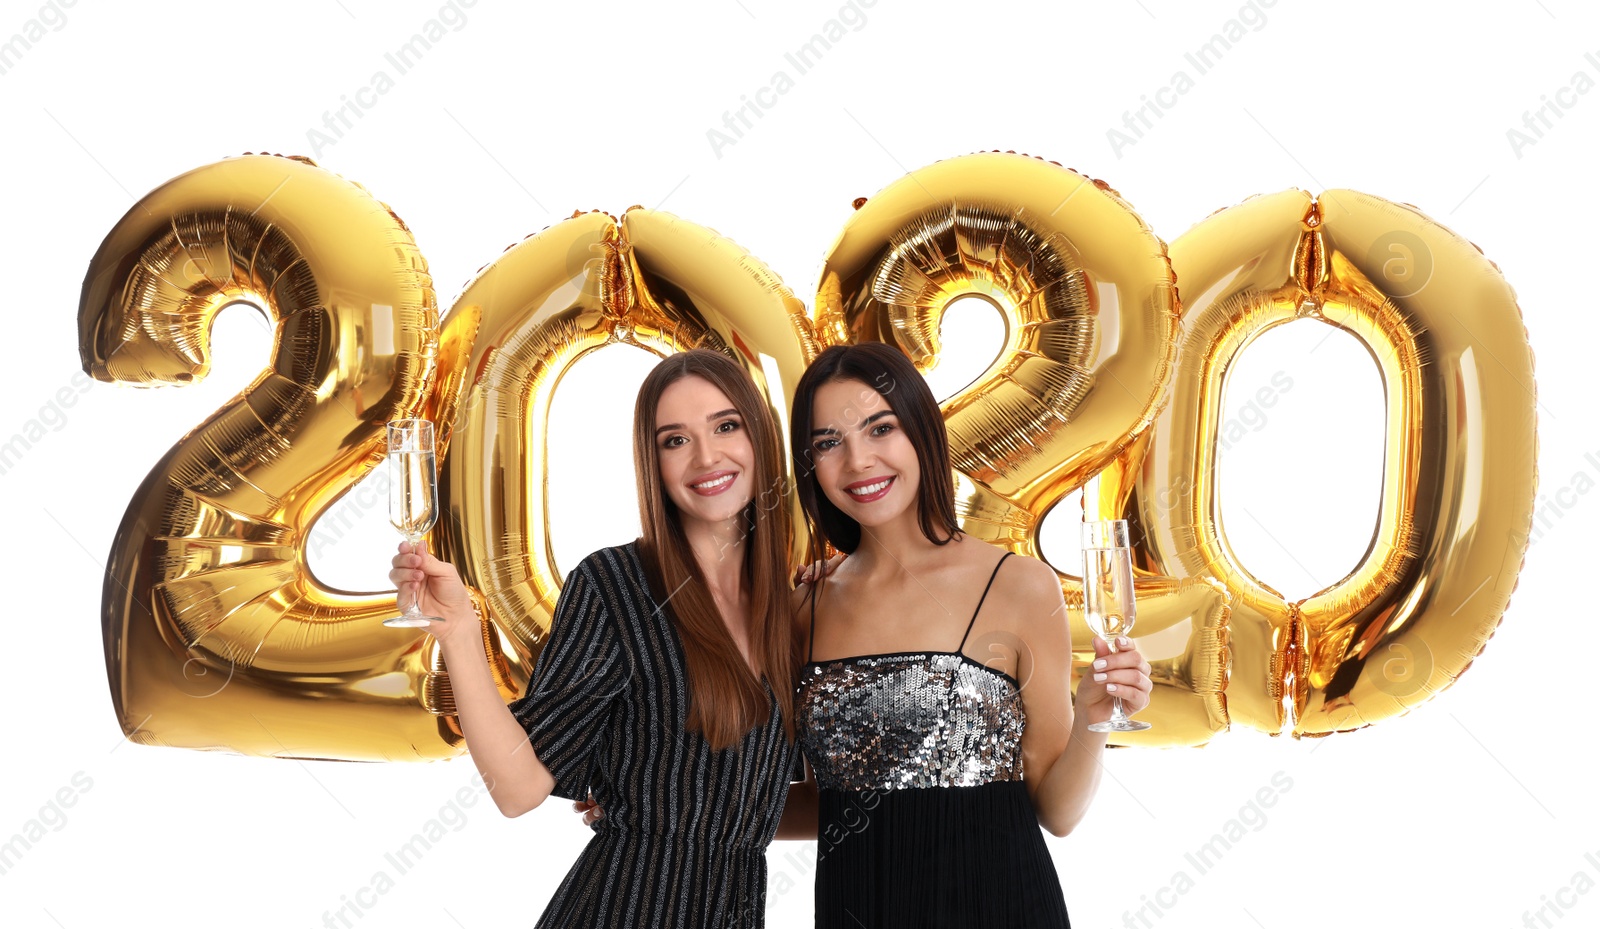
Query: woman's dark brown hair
(888, 371)
(725, 700)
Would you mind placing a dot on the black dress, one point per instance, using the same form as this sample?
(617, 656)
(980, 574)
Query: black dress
(923, 817)
(682, 844)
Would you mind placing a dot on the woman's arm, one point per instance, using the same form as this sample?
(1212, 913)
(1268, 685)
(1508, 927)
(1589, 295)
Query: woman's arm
(800, 810)
(1061, 756)
(517, 780)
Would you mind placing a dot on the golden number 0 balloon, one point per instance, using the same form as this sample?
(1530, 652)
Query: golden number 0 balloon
(653, 281)
(1459, 461)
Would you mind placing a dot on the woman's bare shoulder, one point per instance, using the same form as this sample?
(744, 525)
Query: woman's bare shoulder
(985, 556)
(1030, 590)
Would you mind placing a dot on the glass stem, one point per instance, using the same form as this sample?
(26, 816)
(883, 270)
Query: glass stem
(416, 588)
(1116, 702)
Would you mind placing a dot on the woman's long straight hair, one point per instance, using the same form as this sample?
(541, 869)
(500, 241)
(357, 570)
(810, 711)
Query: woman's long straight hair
(725, 700)
(888, 371)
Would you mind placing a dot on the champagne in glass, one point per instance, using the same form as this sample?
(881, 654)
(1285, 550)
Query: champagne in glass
(413, 496)
(1108, 599)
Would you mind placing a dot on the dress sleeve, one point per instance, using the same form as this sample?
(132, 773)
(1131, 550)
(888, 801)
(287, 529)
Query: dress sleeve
(576, 680)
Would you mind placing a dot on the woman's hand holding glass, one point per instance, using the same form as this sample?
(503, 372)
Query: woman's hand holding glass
(439, 592)
(1125, 670)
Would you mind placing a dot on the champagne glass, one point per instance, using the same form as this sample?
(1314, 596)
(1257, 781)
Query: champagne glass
(1108, 599)
(413, 497)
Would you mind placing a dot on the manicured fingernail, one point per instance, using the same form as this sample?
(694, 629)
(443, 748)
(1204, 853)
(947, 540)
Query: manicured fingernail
(1099, 664)
(1111, 687)
(1100, 677)
(1123, 641)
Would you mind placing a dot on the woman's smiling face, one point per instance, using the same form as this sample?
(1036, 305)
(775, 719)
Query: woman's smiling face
(862, 458)
(707, 461)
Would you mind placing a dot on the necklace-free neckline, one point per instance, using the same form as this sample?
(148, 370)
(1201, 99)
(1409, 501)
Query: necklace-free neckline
(922, 652)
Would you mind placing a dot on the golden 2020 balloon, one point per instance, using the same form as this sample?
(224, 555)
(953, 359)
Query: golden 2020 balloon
(1459, 460)
(1091, 313)
(217, 636)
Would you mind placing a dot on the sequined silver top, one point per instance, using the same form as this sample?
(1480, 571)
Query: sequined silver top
(910, 719)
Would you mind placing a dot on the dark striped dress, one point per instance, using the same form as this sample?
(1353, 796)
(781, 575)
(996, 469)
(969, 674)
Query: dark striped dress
(684, 837)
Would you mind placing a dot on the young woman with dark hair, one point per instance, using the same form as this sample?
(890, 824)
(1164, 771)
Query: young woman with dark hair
(934, 765)
(666, 685)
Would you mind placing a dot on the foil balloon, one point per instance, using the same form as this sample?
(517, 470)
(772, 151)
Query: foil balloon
(1091, 313)
(650, 280)
(217, 636)
(1459, 460)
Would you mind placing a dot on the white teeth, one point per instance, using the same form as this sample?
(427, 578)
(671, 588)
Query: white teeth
(870, 489)
(713, 483)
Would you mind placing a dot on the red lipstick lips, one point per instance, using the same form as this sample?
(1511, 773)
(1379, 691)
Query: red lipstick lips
(878, 494)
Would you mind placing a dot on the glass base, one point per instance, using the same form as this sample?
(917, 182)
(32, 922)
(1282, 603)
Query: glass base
(411, 620)
(1119, 725)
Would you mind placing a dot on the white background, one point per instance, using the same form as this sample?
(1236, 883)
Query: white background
(1471, 811)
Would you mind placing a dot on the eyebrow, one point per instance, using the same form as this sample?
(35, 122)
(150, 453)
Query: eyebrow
(829, 430)
(717, 415)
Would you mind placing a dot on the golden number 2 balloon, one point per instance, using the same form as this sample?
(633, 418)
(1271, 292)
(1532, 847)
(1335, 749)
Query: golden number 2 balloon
(1091, 313)
(1459, 460)
(216, 633)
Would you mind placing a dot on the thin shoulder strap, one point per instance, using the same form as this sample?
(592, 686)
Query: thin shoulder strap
(981, 599)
